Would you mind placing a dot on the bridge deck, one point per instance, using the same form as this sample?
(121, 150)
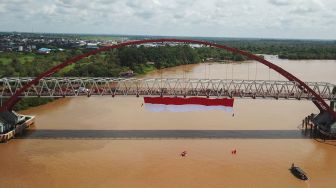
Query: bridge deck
(75, 86)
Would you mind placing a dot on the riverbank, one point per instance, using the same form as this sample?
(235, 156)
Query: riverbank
(26, 103)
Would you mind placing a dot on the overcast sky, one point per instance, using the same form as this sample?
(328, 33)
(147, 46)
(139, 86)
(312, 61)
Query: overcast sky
(312, 19)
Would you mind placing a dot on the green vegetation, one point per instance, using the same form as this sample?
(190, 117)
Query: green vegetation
(7, 57)
(286, 49)
(5, 60)
(110, 63)
(140, 59)
(31, 102)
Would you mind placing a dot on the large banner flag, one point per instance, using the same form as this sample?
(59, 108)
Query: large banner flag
(177, 104)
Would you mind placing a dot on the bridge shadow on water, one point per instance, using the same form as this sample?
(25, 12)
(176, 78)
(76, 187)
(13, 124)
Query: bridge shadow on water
(161, 134)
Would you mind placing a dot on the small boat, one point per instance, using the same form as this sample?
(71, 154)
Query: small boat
(298, 172)
(184, 154)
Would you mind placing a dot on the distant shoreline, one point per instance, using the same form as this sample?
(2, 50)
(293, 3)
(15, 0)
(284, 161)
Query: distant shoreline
(168, 36)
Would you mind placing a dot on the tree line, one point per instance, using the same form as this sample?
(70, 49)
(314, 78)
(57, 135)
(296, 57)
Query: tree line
(138, 59)
(286, 49)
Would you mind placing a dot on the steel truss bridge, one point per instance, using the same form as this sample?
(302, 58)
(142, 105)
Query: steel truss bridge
(86, 86)
(46, 86)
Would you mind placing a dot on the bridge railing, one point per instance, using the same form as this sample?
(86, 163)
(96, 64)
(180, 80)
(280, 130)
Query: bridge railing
(76, 86)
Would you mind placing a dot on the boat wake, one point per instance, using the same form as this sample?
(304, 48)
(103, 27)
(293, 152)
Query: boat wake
(307, 183)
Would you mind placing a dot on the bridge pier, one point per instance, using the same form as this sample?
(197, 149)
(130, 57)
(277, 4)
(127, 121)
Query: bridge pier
(333, 104)
(12, 124)
(309, 128)
(325, 124)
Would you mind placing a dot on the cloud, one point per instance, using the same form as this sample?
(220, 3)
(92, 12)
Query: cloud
(303, 10)
(227, 18)
(280, 2)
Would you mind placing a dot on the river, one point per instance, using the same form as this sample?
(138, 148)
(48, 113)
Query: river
(73, 142)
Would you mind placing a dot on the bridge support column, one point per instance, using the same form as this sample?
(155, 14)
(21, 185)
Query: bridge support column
(306, 122)
(333, 105)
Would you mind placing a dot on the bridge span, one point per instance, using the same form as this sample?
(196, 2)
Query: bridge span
(318, 100)
(45, 86)
(90, 86)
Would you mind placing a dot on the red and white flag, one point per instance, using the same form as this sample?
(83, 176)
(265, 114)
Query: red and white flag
(176, 104)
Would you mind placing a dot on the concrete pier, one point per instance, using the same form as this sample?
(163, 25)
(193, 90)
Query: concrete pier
(333, 105)
(12, 124)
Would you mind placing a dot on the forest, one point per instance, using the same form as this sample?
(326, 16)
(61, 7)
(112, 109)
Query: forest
(138, 59)
(287, 49)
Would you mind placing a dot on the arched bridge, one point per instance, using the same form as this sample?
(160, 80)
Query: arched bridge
(315, 97)
(76, 86)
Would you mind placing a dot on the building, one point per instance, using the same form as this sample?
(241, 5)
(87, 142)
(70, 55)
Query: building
(196, 45)
(129, 73)
(92, 45)
(150, 63)
(44, 50)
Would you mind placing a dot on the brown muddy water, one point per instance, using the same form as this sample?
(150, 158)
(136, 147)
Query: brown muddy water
(114, 142)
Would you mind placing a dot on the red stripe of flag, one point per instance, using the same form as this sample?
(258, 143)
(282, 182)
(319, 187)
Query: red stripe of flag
(192, 100)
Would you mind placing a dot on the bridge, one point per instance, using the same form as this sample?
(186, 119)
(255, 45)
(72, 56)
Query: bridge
(45, 86)
(76, 86)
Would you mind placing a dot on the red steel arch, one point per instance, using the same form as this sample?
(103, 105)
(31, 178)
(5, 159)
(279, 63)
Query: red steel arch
(318, 101)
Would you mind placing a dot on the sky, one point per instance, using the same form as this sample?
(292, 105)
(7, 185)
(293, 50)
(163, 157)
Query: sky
(292, 19)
